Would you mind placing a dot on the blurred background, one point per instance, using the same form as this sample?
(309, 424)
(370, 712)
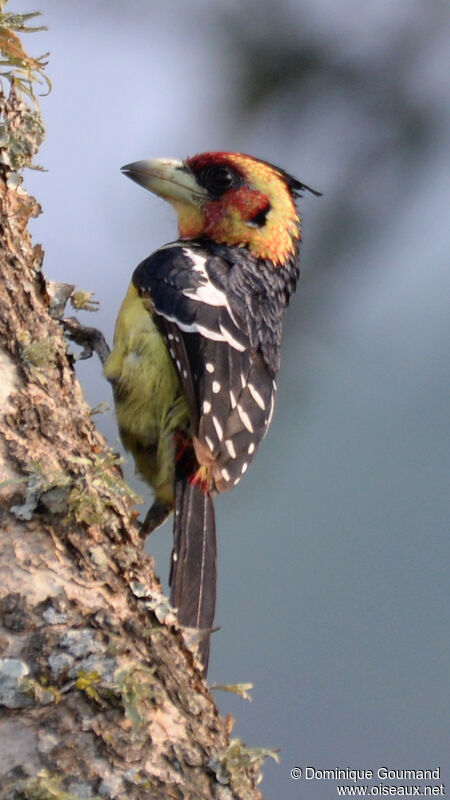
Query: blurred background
(333, 582)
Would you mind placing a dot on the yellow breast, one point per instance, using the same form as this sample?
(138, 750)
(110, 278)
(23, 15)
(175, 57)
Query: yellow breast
(150, 406)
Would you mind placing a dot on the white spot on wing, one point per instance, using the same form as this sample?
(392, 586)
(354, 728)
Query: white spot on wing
(216, 387)
(206, 406)
(210, 443)
(206, 292)
(197, 261)
(251, 448)
(232, 399)
(228, 337)
(230, 447)
(256, 396)
(244, 468)
(209, 367)
(195, 327)
(225, 474)
(218, 427)
(245, 419)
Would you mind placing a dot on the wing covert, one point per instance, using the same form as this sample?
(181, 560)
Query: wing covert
(229, 387)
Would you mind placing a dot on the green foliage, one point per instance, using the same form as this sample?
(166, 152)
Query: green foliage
(15, 64)
(21, 132)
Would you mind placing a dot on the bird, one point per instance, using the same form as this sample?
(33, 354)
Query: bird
(196, 351)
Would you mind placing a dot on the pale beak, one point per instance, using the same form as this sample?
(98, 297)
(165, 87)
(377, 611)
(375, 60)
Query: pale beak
(168, 178)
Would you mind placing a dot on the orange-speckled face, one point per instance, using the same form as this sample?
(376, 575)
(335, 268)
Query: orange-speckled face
(229, 197)
(249, 202)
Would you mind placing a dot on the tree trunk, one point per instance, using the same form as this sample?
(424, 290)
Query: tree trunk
(99, 696)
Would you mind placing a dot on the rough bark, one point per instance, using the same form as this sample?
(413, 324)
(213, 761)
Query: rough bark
(99, 695)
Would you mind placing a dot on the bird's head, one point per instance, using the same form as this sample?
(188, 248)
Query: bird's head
(230, 198)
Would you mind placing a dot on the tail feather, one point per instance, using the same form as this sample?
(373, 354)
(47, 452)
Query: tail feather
(193, 566)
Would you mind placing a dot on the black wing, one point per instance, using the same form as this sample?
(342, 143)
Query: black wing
(229, 386)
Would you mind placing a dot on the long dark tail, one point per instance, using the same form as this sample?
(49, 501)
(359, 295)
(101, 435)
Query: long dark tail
(193, 567)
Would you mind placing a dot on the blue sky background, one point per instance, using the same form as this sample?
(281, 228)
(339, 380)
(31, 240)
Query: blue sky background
(333, 552)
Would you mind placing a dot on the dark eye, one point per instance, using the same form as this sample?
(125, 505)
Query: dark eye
(218, 179)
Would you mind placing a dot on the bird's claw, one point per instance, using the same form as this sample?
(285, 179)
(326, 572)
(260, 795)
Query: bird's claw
(90, 339)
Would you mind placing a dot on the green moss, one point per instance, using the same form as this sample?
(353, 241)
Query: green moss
(43, 695)
(137, 688)
(94, 492)
(88, 682)
(40, 354)
(41, 484)
(44, 787)
(241, 765)
(83, 301)
(241, 689)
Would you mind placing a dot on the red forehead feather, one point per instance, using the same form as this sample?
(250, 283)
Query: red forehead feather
(220, 157)
(239, 162)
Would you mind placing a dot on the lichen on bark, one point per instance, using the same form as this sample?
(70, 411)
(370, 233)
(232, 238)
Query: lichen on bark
(99, 695)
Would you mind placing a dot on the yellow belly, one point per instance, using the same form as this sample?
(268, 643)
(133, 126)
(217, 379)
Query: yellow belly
(150, 406)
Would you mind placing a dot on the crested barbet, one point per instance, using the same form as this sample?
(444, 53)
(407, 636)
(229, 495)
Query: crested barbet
(197, 350)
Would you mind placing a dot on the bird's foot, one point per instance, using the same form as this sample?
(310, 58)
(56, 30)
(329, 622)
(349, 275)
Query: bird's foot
(90, 339)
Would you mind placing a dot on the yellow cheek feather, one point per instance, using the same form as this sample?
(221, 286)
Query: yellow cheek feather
(149, 404)
(276, 239)
(191, 220)
(229, 218)
(229, 221)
